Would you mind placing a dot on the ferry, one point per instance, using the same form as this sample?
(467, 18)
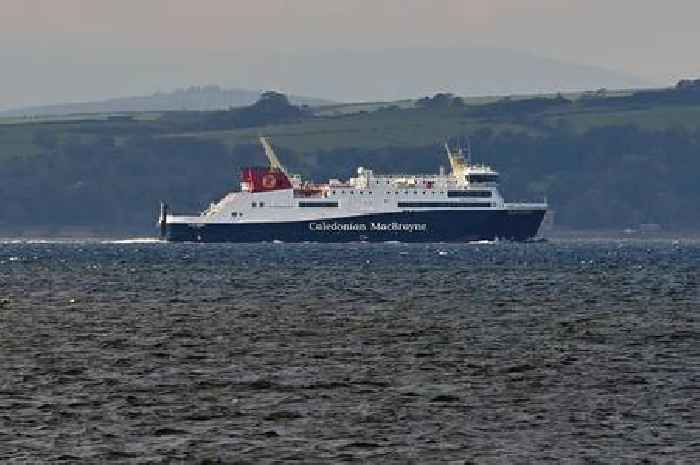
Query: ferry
(272, 205)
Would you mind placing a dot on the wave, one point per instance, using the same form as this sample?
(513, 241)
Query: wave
(135, 240)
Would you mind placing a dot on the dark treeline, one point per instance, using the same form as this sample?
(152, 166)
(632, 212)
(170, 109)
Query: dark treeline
(685, 92)
(509, 107)
(613, 177)
(272, 107)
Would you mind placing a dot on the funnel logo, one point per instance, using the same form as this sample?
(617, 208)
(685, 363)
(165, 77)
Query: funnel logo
(269, 181)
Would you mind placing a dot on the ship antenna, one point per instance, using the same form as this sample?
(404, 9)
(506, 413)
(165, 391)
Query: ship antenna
(469, 150)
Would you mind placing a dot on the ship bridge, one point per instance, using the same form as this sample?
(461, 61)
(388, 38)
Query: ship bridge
(464, 175)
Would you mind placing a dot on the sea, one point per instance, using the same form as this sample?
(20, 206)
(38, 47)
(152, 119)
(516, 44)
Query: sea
(137, 351)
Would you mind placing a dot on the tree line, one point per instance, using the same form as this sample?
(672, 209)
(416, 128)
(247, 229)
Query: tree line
(606, 178)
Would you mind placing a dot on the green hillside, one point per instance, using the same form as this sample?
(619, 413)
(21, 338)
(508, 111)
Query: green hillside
(603, 159)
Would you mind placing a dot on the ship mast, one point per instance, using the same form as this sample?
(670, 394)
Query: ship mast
(274, 161)
(456, 159)
(469, 151)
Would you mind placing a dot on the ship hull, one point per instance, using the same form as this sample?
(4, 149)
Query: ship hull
(409, 226)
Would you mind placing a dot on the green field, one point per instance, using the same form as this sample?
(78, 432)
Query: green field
(368, 125)
(412, 128)
(369, 131)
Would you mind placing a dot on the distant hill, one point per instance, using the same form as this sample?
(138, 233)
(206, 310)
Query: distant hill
(338, 75)
(395, 74)
(196, 98)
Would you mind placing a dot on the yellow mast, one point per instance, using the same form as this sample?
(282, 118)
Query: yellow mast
(456, 160)
(274, 161)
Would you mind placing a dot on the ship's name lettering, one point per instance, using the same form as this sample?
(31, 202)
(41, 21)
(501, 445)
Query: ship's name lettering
(408, 227)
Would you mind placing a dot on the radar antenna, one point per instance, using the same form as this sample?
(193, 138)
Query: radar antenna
(274, 161)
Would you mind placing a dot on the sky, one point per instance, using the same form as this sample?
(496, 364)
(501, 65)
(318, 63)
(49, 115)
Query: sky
(71, 50)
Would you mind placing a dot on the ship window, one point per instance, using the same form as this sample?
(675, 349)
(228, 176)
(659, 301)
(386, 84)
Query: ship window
(234, 214)
(370, 192)
(262, 204)
(444, 204)
(423, 192)
(480, 194)
(333, 192)
(352, 192)
(415, 192)
(387, 182)
(318, 204)
(254, 204)
(478, 178)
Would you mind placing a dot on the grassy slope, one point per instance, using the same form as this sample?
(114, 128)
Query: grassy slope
(416, 128)
(373, 130)
(651, 118)
(370, 130)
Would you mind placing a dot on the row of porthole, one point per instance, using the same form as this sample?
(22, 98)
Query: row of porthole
(422, 181)
(395, 193)
(352, 192)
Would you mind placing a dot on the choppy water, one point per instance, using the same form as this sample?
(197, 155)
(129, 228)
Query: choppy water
(134, 352)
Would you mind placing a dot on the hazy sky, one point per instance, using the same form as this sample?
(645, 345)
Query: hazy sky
(65, 50)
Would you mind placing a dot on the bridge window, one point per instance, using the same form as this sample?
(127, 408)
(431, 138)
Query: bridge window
(481, 178)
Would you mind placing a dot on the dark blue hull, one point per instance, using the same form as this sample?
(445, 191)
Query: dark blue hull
(414, 226)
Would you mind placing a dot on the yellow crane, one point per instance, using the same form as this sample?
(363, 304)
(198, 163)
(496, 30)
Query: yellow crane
(274, 161)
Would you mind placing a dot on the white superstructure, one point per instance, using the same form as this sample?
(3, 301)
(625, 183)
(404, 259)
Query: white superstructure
(468, 185)
(462, 204)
